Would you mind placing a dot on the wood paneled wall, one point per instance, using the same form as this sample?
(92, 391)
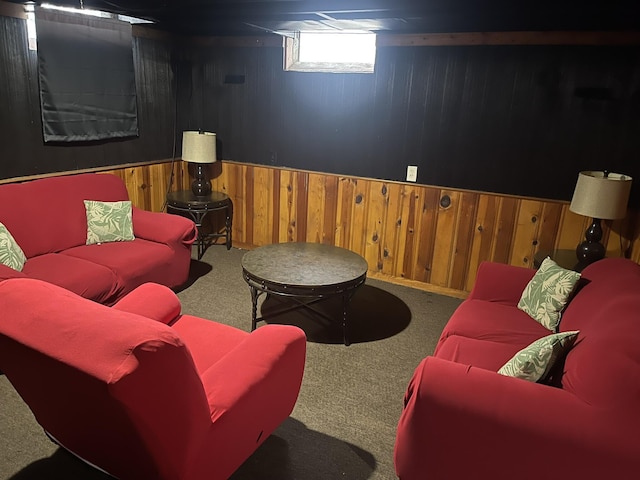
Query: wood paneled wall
(423, 236)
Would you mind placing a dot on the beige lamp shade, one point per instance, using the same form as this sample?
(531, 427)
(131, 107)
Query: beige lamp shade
(602, 196)
(199, 147)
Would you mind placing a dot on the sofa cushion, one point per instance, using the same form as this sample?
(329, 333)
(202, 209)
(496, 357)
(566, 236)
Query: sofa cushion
(485, 354)
(11, 254)
(108, 221)
(134, 263)
(495, 322)
(548, 292)
(88, 279)
(534, 362)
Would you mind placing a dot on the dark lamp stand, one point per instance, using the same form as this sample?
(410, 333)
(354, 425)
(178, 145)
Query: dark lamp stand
(591, 250)
(201, 186)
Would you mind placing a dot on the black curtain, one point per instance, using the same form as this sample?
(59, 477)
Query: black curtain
(87, 78)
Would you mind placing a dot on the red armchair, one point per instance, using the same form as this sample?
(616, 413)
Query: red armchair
(463, 420)
(137, 398)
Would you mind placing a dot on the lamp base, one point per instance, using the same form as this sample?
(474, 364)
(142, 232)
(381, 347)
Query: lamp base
(201, 186)
(591, 250)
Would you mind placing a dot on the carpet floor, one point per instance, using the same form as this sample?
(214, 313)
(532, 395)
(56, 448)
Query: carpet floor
(343, 425)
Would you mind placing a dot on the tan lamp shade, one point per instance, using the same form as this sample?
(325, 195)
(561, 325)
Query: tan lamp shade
(602, 196)
(199, 147)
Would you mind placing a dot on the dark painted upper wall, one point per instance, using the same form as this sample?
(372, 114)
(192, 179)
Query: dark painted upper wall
(22, 149)
(521, 120)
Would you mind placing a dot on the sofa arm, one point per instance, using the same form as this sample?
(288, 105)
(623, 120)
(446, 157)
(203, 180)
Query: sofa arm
(152, 301)
(269, 363)
(251, 391)
(466, 422)
(499, 282)
(172, 230)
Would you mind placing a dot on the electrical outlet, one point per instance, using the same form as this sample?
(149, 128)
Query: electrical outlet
(412, 173)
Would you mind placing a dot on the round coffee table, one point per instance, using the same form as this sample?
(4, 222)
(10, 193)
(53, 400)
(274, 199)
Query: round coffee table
(305, 272)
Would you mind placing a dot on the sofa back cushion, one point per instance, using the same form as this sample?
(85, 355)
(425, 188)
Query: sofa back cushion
(603, 367)
(48, 215)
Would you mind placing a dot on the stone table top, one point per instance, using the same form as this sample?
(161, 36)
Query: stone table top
(304, 264)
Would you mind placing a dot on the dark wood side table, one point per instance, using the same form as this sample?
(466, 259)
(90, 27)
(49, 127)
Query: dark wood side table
(305, 272)
(197, 208)
(564, 258)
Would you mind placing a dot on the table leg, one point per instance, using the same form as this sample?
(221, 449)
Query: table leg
(346, 298)
(254, 306)
(197, 217)
(227, 223)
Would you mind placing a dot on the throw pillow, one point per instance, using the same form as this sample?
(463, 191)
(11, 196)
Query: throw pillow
(534, 362)
(11, 254)
(547, 293)
(108, 221)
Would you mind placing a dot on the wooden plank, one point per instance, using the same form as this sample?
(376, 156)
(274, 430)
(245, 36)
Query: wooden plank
(464, 237)
(255, 41)
(445, 238)
(525, 233)
(483, 236)
(344, 218)
(287, 223)
(249, 205)
(262, 209)
(409, 231)
(548, 228)
(302, 201)
(392, 225)
(158, 183)
(315, 208)
(359, 217)
(275, 207)
(376, 206)
(330, 210)
(508, 210)
(425, 238)
(508, 38)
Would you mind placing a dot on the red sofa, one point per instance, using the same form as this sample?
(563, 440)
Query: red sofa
(137, 398)
(463, 420)
(47, 219)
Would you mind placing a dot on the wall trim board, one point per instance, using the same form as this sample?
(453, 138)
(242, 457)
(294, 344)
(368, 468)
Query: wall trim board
(239, 41)
(26, 178)
(509, 38)
(8, 9)
(596, 38)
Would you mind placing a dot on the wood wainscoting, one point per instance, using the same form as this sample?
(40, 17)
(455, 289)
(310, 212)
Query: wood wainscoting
(422, 236)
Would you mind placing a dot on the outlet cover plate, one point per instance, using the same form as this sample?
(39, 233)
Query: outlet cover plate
(412, 173)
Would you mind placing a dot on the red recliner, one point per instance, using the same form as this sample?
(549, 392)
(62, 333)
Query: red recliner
(141, 391)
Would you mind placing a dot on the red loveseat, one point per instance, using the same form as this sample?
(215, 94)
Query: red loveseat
(463, 420)
(137, 398)
(47, 218)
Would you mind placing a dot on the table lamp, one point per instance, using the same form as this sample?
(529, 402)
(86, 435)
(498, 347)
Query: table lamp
(602, 196)
(199, 148)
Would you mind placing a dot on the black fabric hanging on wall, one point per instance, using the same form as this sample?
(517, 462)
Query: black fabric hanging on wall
(87, 78)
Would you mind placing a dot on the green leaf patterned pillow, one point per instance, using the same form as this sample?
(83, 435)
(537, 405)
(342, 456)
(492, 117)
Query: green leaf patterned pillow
(11, 254)
(108, 221)
(547, 293)
(534, 362)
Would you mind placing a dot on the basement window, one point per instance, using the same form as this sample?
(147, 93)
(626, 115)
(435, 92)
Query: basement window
(343, 52)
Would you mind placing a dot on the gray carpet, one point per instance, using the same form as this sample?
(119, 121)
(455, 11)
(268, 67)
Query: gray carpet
(343, 425)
